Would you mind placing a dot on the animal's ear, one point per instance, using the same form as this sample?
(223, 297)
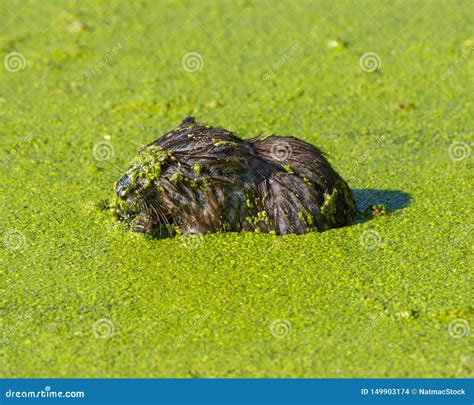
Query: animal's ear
(187, 121)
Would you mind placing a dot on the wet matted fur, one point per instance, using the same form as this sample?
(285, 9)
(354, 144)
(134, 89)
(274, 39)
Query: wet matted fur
(202, 179)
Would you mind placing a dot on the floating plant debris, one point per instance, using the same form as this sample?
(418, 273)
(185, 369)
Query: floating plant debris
(336, 43)
(376, 210)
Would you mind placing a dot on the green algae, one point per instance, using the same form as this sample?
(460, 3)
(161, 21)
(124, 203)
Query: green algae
(329, 207)
(308, 218)
(224, 143)
(197, 167)
(356, 308)
(261, 216)
(146, 167)
(376, 210)
(177, 177)
(308, 181)
(150, 155)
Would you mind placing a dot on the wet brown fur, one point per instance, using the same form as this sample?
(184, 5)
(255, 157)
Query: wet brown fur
(272, 183)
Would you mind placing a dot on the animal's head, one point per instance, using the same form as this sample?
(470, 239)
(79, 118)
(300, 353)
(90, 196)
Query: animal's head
(140, 192)
(171, 188)
(182, 179)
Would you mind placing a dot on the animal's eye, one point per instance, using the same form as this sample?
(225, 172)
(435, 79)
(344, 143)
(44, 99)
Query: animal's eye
(123, 185)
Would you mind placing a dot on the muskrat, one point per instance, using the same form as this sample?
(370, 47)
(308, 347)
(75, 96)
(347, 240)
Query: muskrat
(202, 179)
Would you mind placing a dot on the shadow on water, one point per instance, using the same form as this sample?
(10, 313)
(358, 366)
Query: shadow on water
(393, 199)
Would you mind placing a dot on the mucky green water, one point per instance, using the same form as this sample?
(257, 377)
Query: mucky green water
(387, 297)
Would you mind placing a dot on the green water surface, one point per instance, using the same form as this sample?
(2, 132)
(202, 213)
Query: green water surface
(388, 297)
